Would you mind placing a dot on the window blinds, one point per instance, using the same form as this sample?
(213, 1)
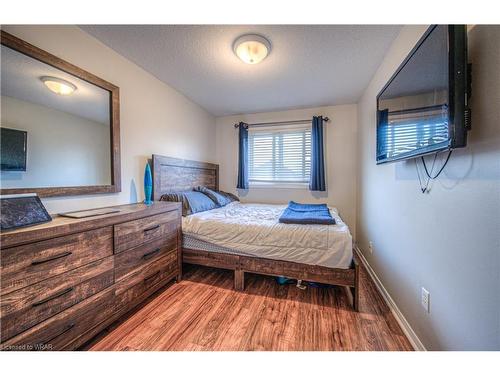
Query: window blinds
(281, 154)
(407, 131)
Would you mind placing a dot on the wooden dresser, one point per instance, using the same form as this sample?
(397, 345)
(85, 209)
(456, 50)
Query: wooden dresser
(63, 282)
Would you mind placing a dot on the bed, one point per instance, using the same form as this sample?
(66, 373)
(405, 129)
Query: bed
(248, 237)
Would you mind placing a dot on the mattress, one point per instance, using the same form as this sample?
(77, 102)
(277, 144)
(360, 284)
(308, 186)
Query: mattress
(253, 229)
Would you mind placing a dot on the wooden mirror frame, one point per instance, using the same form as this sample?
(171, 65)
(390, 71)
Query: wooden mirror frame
(36, 53)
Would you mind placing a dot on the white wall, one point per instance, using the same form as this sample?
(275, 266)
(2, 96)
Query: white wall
(154, 117)
(340, 159)
(448, 240)
(62, 149)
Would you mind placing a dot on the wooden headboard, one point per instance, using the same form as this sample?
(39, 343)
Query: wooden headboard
(173, 174)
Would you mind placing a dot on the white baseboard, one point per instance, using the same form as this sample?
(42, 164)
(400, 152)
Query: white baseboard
(403, 323)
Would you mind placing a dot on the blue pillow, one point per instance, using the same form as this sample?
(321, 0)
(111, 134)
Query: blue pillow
(177, 196)
(219, 199)
(231, 197)
(192, 201)
(199, 202)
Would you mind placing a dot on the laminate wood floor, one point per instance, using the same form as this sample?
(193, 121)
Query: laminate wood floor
(203, 312)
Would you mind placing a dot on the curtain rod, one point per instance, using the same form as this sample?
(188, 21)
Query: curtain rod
(325, 119)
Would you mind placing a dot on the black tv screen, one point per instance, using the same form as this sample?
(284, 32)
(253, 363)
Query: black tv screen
(13, 149)
(423, 108)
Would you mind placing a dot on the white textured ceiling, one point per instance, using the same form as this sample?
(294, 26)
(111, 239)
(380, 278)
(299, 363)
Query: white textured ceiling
(309, 65)
(20, 79)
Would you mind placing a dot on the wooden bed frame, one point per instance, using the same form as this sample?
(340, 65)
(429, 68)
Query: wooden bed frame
(172, 174)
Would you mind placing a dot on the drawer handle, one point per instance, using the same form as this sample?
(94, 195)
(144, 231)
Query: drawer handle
(60, 294)
(66, 329)
(151, 254)
(62, 255)
(151, 277)
(152, 228)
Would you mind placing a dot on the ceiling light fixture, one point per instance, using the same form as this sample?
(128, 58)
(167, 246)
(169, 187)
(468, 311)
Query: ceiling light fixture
(58, 85)
(251, 48)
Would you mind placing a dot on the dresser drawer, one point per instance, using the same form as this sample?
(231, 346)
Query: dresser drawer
(25, 265)
(24, 308)
(61, 330)
(145, 281)
(130, 261)
(137, 232)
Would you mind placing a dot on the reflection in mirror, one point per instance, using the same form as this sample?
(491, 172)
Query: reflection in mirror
(55, 127)
(415, 104)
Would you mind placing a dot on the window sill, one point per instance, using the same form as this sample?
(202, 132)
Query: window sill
(278, 185)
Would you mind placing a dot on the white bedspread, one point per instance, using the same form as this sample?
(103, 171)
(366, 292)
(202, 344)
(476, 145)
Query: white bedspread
(254, 229)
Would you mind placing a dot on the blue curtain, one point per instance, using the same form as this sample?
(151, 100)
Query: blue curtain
(243, 157)
(317, 182)
(382, 132)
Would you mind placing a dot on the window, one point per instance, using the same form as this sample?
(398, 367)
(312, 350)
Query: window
(279, 155)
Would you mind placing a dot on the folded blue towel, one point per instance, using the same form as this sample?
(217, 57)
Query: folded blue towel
(307, 206)
(297, 213)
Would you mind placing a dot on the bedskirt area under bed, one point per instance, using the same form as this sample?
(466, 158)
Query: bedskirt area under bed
(190, 242)
(196, 251)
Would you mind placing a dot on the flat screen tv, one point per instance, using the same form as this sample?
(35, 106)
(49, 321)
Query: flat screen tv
(13, 149)
(423, 108)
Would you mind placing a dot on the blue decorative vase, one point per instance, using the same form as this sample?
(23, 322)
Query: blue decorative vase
(148, 185)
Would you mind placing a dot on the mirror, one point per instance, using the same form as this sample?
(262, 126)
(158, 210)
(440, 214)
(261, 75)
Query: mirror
(59, 125)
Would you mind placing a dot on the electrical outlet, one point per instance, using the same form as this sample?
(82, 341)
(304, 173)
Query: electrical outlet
(370, 247)
(425, 300)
